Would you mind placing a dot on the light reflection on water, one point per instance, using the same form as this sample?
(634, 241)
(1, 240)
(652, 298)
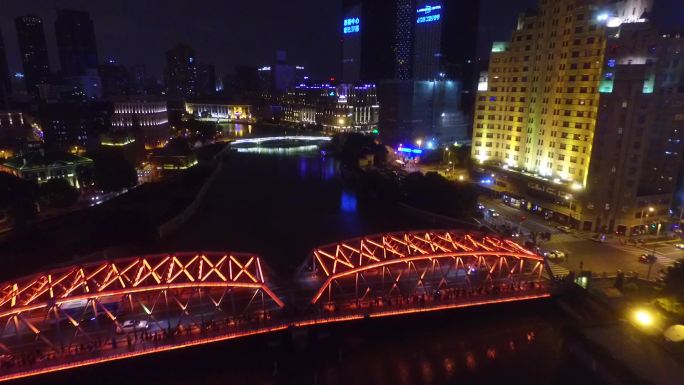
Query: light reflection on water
(348, 201)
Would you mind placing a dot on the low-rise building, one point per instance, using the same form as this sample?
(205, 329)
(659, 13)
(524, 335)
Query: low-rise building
(41, 166)
(220, 112)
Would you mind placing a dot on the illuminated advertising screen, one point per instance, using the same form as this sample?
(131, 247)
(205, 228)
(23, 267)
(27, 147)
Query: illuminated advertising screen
(351, 25)
(429, 14)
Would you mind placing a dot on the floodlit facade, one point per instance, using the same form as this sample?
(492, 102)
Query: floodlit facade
(220, 112)
(577, 111)
(147, 117)
(344, 107)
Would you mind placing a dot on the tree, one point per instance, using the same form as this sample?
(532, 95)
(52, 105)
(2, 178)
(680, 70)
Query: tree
(674, 280)
(58, 193)
(112, 171)
(18, 198)
(434, 193)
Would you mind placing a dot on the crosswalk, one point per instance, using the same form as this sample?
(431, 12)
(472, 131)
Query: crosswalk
(558, 271)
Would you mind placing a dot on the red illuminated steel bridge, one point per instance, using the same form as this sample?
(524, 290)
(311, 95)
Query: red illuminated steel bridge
(422, 263)
(102, 311)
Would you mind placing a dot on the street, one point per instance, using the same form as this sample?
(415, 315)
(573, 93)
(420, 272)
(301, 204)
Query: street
(599, 257)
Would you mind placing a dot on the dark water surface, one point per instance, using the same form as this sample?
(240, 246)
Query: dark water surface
(281, 206)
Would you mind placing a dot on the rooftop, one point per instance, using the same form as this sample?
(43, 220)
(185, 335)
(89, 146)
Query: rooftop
(41, 159)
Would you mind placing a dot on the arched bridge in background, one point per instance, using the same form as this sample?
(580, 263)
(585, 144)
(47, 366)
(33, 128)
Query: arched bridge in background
(103, 311)
(294, 138)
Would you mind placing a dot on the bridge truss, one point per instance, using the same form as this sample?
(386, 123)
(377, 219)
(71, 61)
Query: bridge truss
(113, 299)
(422, 263)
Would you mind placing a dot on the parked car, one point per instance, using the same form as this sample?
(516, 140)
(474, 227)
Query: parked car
(480, 206)
(493, 213)
(132, 326)
(679, 245)
(647, 258)
(565, 229)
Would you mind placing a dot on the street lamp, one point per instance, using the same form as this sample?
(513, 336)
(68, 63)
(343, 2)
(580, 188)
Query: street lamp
(419, 142)
(643, 317)
(650, 209)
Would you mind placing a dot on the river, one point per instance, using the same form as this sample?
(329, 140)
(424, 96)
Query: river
(281, 205)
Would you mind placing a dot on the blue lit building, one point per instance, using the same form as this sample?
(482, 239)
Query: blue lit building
(426, 110)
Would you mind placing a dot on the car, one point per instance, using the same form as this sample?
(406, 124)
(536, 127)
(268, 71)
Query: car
(555, 254)
(132, 326)
(679, 245)
(493, 213)
(480, 206)
(565, 229)
(647, 258)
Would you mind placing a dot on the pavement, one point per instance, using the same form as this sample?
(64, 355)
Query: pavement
(598, 257)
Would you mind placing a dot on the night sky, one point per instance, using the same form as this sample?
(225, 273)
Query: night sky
(230, 32)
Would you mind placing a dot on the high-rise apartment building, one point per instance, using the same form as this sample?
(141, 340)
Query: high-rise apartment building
(5, 80)
(75, 42)
(33, 49)
(577, 116)
(181, 71)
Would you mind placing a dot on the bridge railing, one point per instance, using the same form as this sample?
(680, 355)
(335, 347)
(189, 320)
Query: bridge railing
(219, 330)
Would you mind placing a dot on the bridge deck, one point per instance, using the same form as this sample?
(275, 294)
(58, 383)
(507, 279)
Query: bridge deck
(105, 351)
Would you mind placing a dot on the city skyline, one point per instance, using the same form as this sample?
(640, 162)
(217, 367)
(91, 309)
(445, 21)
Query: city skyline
(282, 26)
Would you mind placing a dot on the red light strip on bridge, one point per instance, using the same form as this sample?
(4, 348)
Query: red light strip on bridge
(387, 262)
(273, 329)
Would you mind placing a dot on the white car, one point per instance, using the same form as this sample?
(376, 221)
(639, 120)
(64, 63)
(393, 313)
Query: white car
(679, 245)
(565, 229)
(555, 254)
(132, 326)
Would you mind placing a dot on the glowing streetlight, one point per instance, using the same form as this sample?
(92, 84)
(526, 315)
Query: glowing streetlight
(643, 317)
(651, 209)
(419, 142)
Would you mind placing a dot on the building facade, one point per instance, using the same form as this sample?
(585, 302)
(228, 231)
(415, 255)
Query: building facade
(33, 50)
(220, 112)
(17, 134)
(146, 119)
(76, 42)
(577, 115)
(422, 110)
(5, 79)
(344, 107)
(74, 126)
(181, 71)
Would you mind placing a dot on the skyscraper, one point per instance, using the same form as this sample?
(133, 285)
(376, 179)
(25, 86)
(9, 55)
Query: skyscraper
(368, 39)
(33, 49)
(404, 39)
(5, 80)
(577, 116)
(427, 48)
(409, 39)
(76, 42)
(181, 71)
